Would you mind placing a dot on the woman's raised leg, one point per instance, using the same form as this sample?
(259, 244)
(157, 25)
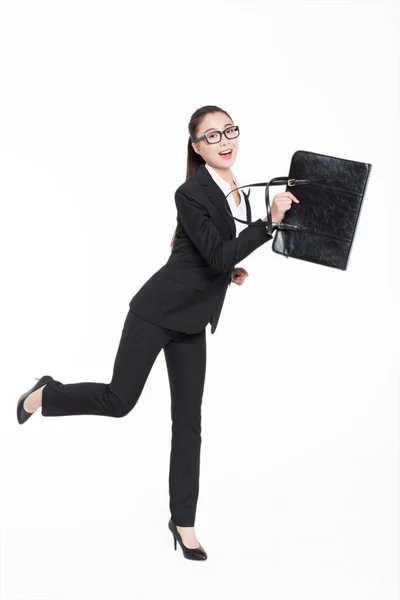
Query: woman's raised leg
(141, 341)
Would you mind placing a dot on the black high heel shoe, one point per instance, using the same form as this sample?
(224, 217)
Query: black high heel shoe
(22, 414)
(192, 553)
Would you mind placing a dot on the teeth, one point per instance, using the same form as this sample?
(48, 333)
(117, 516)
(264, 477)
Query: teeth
(227, 152)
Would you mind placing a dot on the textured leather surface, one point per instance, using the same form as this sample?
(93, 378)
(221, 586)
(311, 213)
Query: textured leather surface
(330, 211)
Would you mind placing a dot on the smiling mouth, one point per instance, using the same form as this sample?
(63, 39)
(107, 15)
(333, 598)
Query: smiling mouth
(225, 153)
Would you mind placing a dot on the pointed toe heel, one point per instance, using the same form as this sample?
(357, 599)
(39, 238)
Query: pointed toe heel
(22, 414)
(191, 553)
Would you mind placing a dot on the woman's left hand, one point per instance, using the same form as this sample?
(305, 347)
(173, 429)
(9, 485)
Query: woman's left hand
(239, 275)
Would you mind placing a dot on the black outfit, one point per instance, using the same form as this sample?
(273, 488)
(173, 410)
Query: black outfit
(170, 312)
(188, 292)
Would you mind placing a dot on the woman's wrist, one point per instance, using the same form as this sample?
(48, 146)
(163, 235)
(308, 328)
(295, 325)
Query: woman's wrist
(273, 219)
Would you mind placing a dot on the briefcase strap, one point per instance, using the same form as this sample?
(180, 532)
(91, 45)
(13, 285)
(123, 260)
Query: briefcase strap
(269, 224)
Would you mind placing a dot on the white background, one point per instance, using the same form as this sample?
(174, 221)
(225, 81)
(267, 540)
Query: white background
(299, 466)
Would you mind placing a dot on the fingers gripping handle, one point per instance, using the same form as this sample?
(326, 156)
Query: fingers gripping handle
(271, 225)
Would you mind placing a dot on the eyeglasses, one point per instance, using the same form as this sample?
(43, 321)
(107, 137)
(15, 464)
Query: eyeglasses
(213, 137)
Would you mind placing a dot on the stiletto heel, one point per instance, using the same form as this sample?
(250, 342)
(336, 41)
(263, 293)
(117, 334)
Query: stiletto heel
(22, 414)
(192, 553)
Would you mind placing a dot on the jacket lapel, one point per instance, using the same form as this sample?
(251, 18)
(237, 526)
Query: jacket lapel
(215, 193)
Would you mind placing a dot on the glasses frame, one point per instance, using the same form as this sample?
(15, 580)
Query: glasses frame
(204, 137)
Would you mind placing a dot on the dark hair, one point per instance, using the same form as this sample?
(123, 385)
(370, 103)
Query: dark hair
(194, 160)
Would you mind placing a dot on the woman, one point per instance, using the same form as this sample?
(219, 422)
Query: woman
(171, 310)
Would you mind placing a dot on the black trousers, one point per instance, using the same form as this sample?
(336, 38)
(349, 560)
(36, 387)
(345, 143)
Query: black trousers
(140, 344)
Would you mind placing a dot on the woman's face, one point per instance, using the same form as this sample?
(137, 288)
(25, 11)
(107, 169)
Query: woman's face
(211, 152)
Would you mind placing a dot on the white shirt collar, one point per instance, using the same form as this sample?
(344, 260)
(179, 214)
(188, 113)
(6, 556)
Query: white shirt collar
(239, 211)
(224, 185)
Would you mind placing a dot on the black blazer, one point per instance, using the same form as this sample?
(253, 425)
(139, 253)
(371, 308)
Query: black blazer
(188, 292)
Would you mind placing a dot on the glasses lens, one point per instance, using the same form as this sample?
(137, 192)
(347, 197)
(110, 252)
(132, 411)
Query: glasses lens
(213, 137)
(232, 132)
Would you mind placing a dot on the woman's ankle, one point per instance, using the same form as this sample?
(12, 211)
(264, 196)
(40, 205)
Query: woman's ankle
(34, 400)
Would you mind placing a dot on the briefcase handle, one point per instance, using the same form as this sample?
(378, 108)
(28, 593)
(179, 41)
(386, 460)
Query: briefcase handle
(271, 225)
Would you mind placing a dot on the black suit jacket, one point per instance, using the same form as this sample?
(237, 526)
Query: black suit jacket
(188, 292)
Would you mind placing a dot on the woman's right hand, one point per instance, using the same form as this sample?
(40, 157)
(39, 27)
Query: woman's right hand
(280, 204)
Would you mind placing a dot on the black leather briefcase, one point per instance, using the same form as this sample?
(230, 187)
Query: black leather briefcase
(321, 228)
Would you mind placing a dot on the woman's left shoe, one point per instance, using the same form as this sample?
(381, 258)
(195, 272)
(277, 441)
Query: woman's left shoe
(22, 414)
(192, 553)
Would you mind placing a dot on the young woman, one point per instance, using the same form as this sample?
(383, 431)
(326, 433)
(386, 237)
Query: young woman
(171, 310)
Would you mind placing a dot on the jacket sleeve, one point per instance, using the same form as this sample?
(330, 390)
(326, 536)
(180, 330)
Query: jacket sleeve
(221, 255)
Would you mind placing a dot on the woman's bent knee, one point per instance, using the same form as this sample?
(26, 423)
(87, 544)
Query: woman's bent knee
(122, 411)
(120, 407)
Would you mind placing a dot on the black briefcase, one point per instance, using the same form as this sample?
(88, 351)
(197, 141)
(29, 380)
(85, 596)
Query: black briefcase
(321, 228)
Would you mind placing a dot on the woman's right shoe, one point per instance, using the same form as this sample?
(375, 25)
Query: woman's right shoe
(22, 414)
(192, 553)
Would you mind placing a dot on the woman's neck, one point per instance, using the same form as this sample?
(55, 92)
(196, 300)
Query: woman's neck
(226, 175)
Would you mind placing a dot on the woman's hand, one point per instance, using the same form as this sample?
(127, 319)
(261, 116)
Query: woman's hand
(239, 275)
(280, 204)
